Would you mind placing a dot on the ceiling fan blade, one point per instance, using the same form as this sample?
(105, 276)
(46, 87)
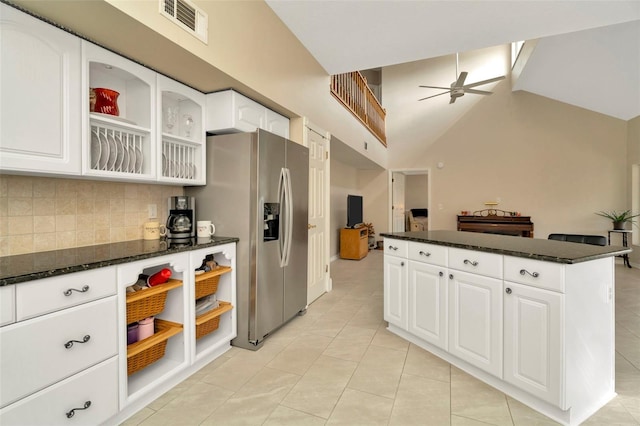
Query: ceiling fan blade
(460, 81)
(452, 100)
(477, 92)
(480, 83)
(433, 96)
(436, 87)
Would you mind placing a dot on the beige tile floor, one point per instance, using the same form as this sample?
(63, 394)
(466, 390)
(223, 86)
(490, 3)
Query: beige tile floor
(337, 365)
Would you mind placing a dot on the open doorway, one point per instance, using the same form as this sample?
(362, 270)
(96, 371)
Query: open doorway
(410, 193)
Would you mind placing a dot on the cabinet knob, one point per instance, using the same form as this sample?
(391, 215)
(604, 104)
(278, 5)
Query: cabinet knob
(71, 290)
(393, 248)
(401, 263)
(470, 262)
(508, 290)
(424, 254)
(450, 276)
(441, 273)
(72, 412)
(533, 274)
(70, 343)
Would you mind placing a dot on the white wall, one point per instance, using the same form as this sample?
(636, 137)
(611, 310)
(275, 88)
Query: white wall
(416, 195)
(555, 162)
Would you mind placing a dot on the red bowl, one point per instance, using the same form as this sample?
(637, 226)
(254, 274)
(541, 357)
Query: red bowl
(104, 101)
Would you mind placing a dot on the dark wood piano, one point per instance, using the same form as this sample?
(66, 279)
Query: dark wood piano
(494, 221)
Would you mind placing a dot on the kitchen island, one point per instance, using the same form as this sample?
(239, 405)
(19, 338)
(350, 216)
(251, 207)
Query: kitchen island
(533, 318)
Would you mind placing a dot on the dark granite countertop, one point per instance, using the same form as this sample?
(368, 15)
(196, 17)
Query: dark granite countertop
(33, 266)
(532, 248)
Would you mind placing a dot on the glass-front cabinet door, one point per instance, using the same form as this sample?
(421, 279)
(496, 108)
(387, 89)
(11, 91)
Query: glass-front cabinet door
(180, 113)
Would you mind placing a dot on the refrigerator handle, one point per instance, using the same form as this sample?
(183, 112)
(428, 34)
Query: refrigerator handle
(281, 231)
(289, 206)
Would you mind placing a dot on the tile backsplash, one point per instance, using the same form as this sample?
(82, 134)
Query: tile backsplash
(40, 214)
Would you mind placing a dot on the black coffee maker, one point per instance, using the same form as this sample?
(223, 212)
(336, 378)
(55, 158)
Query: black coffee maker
(181, 223)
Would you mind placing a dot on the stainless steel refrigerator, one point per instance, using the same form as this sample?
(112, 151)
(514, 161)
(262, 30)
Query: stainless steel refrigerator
(257, 190)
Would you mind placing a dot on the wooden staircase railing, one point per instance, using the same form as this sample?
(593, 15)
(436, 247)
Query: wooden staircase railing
(352, 91)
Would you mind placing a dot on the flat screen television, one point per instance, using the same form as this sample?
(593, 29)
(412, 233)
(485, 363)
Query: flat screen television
(354, 210)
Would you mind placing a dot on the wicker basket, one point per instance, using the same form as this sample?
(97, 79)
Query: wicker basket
(210, 321)
(207, 283)
(145, 352)
(148, 302)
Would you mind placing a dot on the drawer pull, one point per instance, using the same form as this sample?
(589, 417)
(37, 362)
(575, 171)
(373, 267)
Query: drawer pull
(469, 262)
(83, 290)
(72, 412)
(524, 271)
(70, 343)
(424, 254)
(393, 248)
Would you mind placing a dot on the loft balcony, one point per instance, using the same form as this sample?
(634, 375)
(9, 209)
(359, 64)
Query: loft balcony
(352, 91)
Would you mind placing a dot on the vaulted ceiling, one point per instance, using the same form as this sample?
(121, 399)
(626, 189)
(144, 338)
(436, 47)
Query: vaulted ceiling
(587, 52)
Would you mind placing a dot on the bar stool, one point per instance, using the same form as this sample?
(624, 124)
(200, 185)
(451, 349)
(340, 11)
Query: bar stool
(625, 243)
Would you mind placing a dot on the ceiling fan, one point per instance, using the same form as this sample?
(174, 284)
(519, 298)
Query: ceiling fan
(458, 88)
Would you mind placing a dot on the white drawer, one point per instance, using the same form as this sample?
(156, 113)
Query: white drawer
(51, 294)
(535, 273)
(477, 262)
(98, 385)
(7, 304)
(33, 353)
(428, 253)
(395, 247)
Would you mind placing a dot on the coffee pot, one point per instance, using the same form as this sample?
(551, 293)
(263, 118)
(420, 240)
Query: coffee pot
(181, 220)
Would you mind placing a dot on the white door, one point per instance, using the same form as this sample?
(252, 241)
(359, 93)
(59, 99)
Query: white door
(395, 291)
(533, 340)
(318, 269)
(428, 303)
(397, 183)
(475, 320)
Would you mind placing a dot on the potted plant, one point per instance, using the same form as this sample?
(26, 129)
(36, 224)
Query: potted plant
(619, 219)
(371, 232)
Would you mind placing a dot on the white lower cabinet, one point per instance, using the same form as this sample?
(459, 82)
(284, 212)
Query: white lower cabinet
(395, 291)
(427, 300)
(88, 398)
(475, 320)
(7, 304)
(39, 352)
(533, 336)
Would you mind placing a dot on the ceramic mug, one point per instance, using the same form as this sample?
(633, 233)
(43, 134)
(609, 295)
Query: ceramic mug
(205, 228)
(154, 230)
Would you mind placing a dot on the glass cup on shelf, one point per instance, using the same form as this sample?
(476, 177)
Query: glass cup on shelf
(170, 117)
(187, 121)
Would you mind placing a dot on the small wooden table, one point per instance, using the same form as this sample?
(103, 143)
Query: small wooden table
(625, 243)
(354, 243)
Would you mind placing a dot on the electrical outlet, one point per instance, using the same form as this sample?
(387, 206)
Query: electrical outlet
(153, 211)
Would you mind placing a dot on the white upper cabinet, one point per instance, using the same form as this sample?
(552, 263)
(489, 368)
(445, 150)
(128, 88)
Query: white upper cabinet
(230, 112)
(180, 121)
(40, 92)
(119, 127)
(276, 123)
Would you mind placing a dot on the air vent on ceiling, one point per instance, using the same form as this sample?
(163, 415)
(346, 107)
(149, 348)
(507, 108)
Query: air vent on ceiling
(187, 16)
